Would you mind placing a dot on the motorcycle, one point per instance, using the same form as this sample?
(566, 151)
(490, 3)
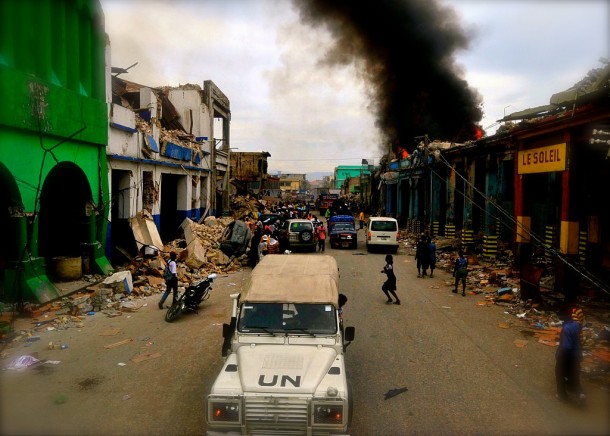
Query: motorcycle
(191, 298)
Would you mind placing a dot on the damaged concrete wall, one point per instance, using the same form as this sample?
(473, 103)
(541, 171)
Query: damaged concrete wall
(247, 166)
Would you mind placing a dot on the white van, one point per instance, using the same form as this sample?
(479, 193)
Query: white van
(382, 232)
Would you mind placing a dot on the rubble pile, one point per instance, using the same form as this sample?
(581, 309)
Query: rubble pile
(198, 255)
(498, 283)
(247, 205)
(175, 136)
(142, 125)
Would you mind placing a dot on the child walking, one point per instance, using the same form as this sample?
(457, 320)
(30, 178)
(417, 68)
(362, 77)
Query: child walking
(460, 271)
(389, 286)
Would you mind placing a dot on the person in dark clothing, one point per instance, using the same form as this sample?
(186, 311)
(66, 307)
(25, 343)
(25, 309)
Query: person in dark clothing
(431, 256)
(568, 357)
(171, 283)
(422, 256)
(460, 271)
(389, 286)
(253, 254)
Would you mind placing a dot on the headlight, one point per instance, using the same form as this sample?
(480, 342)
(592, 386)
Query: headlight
(224, 411)
(328, 414)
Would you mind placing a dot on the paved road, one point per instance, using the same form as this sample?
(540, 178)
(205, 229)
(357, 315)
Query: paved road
(463, 374)
(100, 391)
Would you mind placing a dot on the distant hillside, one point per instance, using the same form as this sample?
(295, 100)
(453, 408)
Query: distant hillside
(310, 176)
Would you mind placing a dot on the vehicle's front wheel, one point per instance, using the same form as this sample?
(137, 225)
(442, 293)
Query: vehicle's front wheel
(350, 404)
(173, 312)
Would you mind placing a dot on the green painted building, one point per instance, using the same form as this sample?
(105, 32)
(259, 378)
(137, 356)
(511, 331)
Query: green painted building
(53, 133)
(343, 172)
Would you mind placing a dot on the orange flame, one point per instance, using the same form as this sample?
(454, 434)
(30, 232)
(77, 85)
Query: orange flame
(478, 132)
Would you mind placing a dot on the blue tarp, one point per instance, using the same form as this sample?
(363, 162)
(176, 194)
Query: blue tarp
(178, 152)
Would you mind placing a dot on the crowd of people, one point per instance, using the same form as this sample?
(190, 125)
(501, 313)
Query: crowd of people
(266, 228)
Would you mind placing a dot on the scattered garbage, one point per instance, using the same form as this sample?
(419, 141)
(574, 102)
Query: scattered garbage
(393, 392)
(22, 362)
(503, 291)
(56, 346)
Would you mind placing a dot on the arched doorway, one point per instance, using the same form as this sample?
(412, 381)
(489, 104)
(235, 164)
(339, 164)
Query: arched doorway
(65, 208)
(12, 236)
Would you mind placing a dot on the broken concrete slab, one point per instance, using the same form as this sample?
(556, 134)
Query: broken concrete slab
(123, 279)
(196, 254)
(145, 232)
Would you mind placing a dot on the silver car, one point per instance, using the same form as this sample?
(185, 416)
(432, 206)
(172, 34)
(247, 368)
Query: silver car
(299, 233)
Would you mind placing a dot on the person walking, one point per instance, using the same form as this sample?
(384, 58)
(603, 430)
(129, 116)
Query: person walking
(568, 357)
(361, 219)
(422, 256)
(460, 271)
(321, 236)
(389, 286)
(171, 280)
(431, 256)
(254, 254)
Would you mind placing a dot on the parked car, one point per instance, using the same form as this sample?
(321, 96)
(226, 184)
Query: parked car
(298, 233)
(235, 238)
(342, 231)
(382, 232)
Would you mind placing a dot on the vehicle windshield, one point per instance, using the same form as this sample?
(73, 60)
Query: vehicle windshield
(288, 318)
(383, 226)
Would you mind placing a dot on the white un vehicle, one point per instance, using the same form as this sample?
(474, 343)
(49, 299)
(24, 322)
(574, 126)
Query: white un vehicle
(284, 371)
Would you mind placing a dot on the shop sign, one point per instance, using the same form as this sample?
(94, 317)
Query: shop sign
(542, 159)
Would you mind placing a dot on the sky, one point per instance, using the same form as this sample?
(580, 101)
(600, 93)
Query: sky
(312, 115)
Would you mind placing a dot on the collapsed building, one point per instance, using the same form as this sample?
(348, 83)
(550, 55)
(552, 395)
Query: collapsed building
(158, 165)
(86, 157)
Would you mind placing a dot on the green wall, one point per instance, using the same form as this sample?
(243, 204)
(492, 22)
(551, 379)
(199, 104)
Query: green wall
(52, 86)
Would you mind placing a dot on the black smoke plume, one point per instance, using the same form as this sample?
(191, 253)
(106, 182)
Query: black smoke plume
(405, 50)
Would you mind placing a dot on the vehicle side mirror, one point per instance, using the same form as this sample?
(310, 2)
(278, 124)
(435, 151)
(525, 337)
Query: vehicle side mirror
(350, 333)
(227, 334)
(227, 331)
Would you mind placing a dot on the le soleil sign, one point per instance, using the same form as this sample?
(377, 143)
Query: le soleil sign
(542, 159)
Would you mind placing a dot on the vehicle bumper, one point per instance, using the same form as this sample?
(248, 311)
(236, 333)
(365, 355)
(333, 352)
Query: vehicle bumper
(234, 433)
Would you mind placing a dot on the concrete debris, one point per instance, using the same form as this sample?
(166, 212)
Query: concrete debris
(198, 254)
(499, 284)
